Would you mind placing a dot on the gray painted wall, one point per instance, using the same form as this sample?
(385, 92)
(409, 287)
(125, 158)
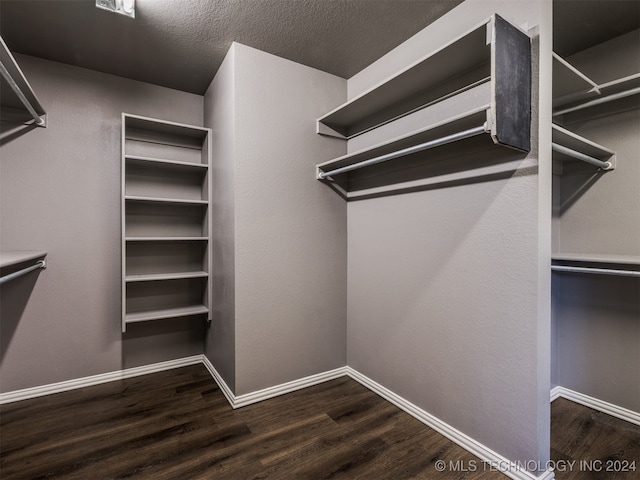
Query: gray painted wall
(449, 288)
(289, 230)
(596, 319)
(60, 192)
(220, 116)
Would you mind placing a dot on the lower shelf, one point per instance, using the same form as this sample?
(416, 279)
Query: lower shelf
(151, 277)
(163, 313)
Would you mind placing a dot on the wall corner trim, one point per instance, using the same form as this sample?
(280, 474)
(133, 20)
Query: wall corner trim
(237, 401)
(597, 404)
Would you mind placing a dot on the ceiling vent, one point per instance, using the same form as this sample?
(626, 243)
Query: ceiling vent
(124, 7)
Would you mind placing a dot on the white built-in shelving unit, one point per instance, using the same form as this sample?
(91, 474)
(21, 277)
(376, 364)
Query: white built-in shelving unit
(166, 229)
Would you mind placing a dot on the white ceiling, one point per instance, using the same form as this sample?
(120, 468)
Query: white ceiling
(181, 43)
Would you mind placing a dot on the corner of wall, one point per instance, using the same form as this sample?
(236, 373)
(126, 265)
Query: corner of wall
(219, 115)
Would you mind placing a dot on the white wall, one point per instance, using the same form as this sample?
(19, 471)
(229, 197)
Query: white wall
(449, 288)
(289, 230)
(60, 192)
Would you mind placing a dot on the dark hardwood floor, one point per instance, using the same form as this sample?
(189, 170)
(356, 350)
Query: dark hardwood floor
(178, 425)
(589, 444)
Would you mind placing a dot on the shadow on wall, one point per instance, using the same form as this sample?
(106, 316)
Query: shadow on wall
(159, 340)
(10, 131)
(14, 296)
(574, 184)
(444, 167)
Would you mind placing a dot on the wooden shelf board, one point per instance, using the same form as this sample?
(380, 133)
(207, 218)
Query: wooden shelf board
(166, 201)
(436, 69)
(10, 258)
(161, 162)
(163, 313)
(151, 277)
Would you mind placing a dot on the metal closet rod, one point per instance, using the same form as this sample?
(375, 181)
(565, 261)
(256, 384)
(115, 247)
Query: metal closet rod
(407, 151)
(596, 271)
(24, 271)
(581, 156)
(14, 86)
(598, 101)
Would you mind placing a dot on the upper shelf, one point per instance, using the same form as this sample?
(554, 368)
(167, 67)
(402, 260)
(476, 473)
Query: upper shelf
(164, 132)
(458, 64)
(19, 102)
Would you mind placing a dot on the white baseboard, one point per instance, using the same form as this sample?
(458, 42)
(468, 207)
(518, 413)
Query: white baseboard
(67, 385)
(597, 404)
(237, 401)
(510, 469)
(226, 391)
(555, 392)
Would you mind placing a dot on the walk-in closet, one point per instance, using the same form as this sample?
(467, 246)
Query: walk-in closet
(316, 239)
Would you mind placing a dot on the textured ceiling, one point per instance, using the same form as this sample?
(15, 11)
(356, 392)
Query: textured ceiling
(181, 43)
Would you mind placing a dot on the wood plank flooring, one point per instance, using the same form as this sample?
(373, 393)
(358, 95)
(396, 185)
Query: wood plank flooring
(589, 444)
(178, 425)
